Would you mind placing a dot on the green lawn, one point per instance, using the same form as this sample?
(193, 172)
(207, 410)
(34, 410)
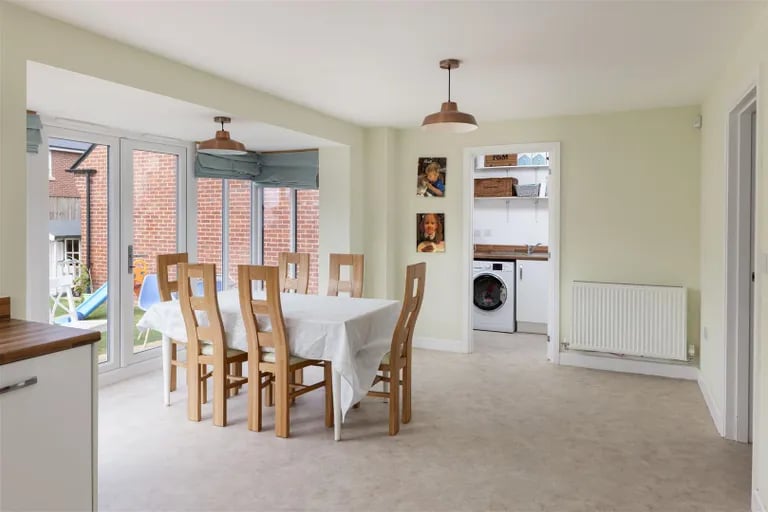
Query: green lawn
(100, 313)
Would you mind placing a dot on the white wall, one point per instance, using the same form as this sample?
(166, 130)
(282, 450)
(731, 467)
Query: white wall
(630, 207)
(510, 221)
(748, 67)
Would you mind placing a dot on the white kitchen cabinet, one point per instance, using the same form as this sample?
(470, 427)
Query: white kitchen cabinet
(48, 431)
(531, 295)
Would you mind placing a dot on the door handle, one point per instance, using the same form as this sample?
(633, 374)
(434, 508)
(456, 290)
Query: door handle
(132, 257)
(521, 272)
(23, 384)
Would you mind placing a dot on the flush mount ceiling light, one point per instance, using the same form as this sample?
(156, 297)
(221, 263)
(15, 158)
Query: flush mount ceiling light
(449, 119)
(222, 144)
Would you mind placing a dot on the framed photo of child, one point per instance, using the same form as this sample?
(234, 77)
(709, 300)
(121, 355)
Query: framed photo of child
(429, 232)
(430, 180)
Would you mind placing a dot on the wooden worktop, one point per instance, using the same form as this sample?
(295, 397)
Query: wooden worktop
(21, 339)
(510, 252)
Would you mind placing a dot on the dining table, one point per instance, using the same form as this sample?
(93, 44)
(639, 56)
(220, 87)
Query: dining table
(352, 333)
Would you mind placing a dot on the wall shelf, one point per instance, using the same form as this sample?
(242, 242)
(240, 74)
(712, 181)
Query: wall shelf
(516, 198)
(532, 167)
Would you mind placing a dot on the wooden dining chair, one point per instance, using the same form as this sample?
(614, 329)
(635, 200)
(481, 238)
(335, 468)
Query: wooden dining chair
(167, 287)
(354, 285)
(269, 357)
(207, 344)
(398, 359)
(299, 283)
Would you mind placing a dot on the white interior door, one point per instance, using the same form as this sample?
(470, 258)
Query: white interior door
(151, 208)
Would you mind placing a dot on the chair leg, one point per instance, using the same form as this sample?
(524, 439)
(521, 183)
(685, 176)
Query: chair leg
(269, 392)
(298, 378)
(394, 402)
(234, 372)
(282, 407)
(254, 398)
(220, 392)
(407, 381)
(194, 381)
(173, 366)
(328, 379)
(384, 383)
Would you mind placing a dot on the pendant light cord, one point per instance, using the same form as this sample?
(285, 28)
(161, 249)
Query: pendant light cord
(449, 84)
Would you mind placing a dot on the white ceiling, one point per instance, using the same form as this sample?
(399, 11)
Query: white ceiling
(376, 63)
(74, 100)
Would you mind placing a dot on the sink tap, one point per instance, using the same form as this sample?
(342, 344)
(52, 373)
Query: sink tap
(531, 248)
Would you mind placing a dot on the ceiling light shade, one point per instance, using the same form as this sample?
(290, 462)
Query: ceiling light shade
(449, 119)
(221, 144)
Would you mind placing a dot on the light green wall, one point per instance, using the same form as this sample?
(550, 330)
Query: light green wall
(630, 206)
(28, 36)
(748, 67)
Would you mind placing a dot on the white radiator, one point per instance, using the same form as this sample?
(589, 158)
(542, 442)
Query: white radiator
(637, 320)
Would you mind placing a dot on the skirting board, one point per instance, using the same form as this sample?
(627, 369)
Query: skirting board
(714, 410)
(757, 503)
(615, 364)
(444, 345)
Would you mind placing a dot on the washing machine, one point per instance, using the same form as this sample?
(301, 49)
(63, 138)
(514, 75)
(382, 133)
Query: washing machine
(493, 295)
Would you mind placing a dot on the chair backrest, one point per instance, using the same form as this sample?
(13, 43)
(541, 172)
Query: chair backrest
(354, 286)
(412, 299)
(207, 303)
(299, 283)
(149, 293)
(164, 264)
(270, 306)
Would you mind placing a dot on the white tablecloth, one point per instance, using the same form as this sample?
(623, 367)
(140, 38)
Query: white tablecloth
(353, 334)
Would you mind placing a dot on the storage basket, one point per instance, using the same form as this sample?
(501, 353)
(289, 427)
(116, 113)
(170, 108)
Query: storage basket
(495, 187)
(527, 190)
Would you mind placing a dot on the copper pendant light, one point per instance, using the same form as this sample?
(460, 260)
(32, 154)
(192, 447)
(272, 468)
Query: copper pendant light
(449, 119)
(222, 144)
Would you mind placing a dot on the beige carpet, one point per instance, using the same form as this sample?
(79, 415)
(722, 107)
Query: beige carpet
(496, 430)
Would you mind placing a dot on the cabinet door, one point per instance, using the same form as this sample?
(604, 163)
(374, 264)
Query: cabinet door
(46, 445)
(532, 291)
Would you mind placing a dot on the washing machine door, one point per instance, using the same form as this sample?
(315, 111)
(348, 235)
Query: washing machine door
(490, 292)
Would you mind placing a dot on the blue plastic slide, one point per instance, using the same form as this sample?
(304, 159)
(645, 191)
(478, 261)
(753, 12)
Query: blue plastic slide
(90, 304)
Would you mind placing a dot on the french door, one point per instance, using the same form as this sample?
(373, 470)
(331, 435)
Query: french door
(151, 213)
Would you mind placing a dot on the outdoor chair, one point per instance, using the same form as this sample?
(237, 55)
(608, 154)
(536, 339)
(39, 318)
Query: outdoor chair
(149, 295)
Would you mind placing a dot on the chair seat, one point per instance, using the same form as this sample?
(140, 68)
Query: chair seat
(269, 357)
(207, 350)
(385, 359)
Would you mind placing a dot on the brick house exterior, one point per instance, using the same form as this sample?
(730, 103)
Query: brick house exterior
(155, 213)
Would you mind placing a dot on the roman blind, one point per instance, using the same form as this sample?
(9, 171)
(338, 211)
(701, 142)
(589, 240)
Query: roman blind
(293, 169)
(34, 137)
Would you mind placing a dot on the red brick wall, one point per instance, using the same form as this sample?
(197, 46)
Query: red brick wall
(154, 205)
(63, 184)
(155, 221)
(96, 160)
(239, 228)
(209, 221)
(308, 230)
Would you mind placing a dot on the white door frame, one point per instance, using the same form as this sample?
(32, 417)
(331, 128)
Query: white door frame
(113, 168)
(126, 148)
(553, 191)
(740, 255)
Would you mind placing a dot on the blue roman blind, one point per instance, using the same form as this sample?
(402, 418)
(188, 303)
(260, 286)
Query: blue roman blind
(293, 169)
(34, 137)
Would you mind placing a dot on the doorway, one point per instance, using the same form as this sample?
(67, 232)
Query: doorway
(551, 197)
(740, 268)
(122, 201)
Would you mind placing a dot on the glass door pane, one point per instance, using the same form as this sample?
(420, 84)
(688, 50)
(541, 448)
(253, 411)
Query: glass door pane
(278, 230)
(308, 230)
(79, 236)
(151, 180)
(238, 232)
